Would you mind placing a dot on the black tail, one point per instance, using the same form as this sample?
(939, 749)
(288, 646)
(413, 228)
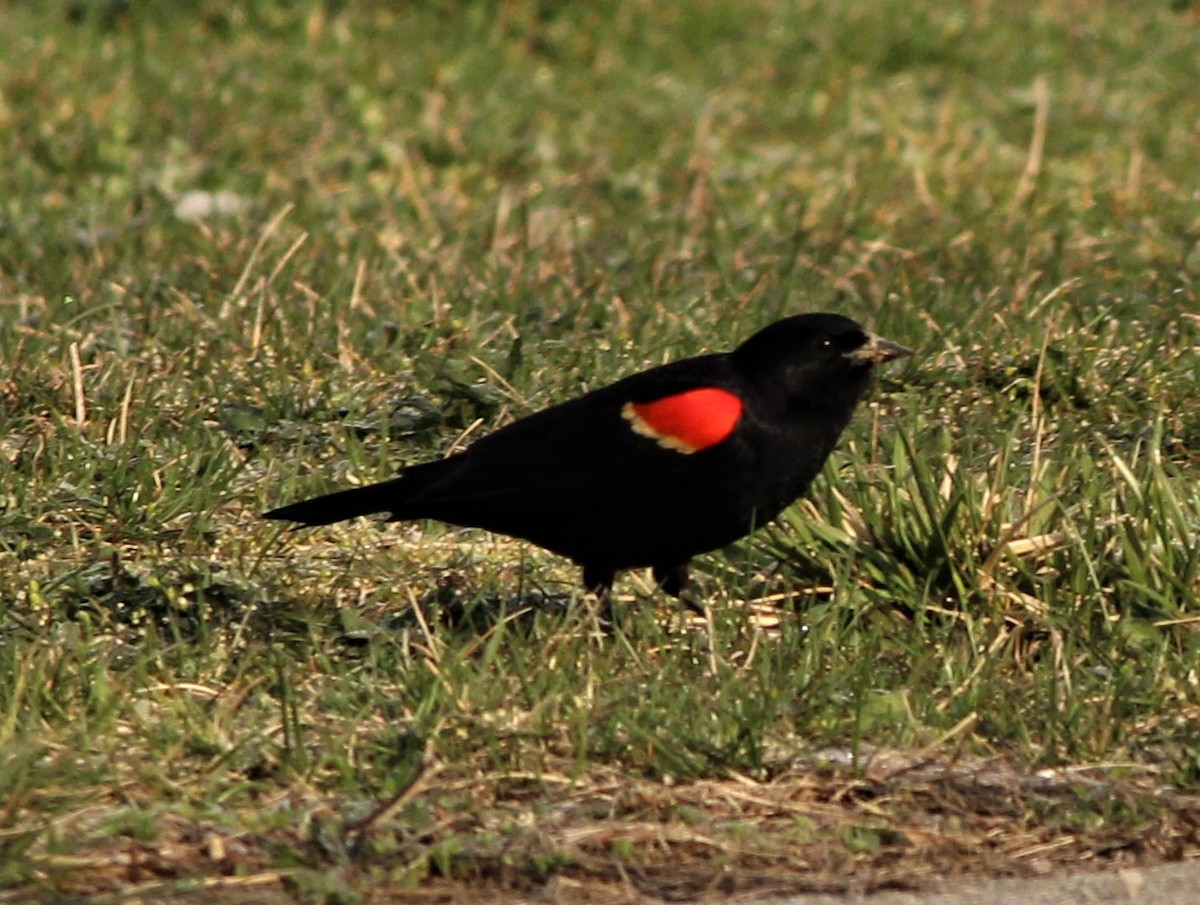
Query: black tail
(334, 507)
(386, 496)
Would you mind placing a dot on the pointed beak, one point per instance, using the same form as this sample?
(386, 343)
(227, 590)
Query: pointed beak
(877, 350)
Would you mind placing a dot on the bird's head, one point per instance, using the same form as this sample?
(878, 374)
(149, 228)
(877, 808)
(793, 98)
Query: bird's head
(815, 357)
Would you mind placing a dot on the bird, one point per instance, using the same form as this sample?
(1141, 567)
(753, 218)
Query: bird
(654, 469)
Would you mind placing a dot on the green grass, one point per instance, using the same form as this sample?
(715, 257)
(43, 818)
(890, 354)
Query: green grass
(450, 215)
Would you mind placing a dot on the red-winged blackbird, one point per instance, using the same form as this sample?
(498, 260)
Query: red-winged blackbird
(653, 469)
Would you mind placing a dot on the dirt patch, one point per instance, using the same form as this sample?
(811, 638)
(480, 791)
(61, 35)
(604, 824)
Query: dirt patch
(898, 822)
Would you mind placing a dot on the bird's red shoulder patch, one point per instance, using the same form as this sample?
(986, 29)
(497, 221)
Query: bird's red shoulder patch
(686, 422)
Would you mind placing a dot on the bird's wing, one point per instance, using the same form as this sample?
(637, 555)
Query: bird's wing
(630, 461)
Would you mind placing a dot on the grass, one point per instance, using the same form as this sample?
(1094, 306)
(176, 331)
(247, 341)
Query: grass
(438, 218)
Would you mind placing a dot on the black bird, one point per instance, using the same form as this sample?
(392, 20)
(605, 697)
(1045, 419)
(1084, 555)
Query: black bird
(653, 469)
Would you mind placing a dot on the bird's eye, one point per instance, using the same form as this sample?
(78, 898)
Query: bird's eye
(826, 343)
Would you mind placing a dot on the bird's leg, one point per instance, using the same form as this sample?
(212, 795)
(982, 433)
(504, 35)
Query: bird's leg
(674, 580)
(599, 580)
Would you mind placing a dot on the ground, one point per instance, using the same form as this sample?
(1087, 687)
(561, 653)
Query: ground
(252, 252)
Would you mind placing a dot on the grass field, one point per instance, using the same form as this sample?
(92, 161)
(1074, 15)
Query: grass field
(254, 251)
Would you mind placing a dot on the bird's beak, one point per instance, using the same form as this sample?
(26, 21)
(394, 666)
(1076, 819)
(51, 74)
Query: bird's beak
(877, 350)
